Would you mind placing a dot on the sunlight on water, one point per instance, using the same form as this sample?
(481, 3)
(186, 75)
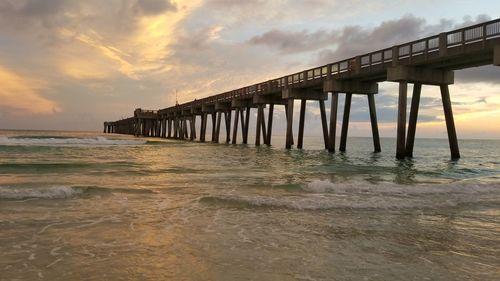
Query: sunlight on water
(80, 206)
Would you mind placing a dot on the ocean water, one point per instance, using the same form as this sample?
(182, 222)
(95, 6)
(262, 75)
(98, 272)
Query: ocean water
(87, 206)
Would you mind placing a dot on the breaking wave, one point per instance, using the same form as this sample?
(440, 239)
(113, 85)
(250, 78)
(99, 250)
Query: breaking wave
(323, 195)
(54, 140)
(61, 192)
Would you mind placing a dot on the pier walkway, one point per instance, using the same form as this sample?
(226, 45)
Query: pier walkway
(427, 61)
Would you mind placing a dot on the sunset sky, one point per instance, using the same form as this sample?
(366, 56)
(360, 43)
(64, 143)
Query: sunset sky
(70, 65)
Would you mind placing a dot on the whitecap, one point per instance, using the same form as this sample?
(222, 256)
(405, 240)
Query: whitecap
(34, 141)
(54, 192)
(324, 195)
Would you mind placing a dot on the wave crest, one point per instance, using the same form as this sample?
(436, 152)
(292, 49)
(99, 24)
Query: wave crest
(324, 195)
(54, 192)
(62, 192)
(27, 141)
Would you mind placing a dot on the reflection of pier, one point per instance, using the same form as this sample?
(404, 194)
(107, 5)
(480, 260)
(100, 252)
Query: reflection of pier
(428, 61)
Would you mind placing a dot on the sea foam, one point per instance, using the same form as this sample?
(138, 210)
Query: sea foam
(27, 141)
(54, 192)
(325, 195)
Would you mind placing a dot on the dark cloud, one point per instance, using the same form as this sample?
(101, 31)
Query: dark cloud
(232, 3)
(37, 8)
(196, 40)
(293, 42)
(32, 13)
(338, 44)
(348, 41)
(354, 41)
(154, 7)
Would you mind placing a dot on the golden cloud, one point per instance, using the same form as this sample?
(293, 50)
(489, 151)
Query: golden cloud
(21, 94)
(92, 55)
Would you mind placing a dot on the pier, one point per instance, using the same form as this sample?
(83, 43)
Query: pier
(427, 61)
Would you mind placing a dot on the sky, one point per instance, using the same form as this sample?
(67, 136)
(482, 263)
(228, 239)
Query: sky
(71, 65)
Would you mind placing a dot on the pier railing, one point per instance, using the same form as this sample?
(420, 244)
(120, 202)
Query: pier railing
(429, 47)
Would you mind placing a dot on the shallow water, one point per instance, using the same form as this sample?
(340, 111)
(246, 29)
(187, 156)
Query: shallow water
(83, 206)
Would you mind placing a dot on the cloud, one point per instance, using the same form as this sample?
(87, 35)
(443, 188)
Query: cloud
(354, 40)
(488, 74)
(349, 41)
(154, 7)
(293, 42)
(21, 95)
(104, 58)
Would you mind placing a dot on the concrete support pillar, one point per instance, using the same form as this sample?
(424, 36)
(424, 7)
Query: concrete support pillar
(401, 131)
(214, 120)
(300, 140)
(374, 123)
(228, 115)
(245, 124)
(146, 128)
(176, 128)
(259, 124)
(164, 133)
(150, 128)
(412, 124)
(270, 124)
(194, 127)
(184, 128)
(203, 130)
(142, 127)
(175, 125)
(324, 124)
(333, 122)
(345, 122)
(286, 115)
(181, 128)
(191, 134)
(165, 128)
(235, 127)
(169, 130)
(161, 129)
(289, 127)
(450, 123)
(217, 127)
(263, 121)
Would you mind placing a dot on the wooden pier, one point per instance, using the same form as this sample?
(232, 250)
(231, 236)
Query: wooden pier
(428, 61)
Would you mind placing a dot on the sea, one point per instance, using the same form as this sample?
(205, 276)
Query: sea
(91, 206)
